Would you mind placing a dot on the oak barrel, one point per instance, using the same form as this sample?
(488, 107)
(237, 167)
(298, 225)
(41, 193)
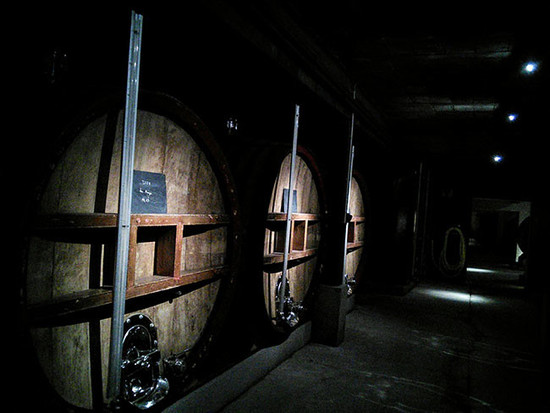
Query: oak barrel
(183, 245)
(305, 235)
(357, 231)
(261, 170)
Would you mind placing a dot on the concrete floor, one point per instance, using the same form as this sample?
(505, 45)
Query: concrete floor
(440, 348)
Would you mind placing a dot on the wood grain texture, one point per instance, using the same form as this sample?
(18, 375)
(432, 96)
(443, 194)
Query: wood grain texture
(57, 269)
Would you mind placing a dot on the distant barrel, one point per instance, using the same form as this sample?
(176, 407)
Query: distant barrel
(262, 173)
(305, 236)
(356, 236)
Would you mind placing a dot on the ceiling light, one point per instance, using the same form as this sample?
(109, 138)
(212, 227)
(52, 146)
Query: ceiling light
(512, 117)
(232, 125)
(497, 158)
(530, 67)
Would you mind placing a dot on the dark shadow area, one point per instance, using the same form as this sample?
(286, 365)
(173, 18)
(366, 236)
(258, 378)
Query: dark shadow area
(444, 346)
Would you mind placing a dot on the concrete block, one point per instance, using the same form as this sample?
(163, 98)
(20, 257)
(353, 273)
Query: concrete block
(329, 315)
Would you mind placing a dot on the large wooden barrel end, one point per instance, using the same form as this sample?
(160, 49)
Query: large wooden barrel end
(183, 245)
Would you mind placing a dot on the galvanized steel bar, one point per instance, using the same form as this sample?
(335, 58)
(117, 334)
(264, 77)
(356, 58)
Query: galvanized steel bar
(351, 154)
(124, 212)
(289, 210)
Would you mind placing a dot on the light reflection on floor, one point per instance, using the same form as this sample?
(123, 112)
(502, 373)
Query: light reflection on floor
(500, 274)
(457, 296)
(481, 277)
(480, 270)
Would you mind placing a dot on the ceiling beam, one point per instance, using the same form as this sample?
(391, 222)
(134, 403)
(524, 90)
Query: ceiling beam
(272, 31)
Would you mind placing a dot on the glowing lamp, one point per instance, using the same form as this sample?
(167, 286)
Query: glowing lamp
(530, 67)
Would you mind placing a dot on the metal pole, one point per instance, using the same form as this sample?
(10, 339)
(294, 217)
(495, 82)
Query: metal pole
(351, 153)
(418, 215)
(289, 210)
(124, 211)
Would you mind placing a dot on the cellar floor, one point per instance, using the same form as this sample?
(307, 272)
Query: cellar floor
(443, 347)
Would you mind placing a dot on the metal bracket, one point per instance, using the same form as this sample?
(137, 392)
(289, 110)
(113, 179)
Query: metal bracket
(142, 385)
(289, 311)
(350, 283)
(177, 366)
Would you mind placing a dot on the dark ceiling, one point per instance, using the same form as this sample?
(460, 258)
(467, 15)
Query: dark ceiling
(442, 78)
(439, 79)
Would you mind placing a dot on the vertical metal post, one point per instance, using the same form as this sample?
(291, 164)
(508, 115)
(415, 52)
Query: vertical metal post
(289, 210)
(351, 153)
(124, 211)
(419, 223)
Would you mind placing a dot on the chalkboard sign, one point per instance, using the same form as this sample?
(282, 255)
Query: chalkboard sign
(294, 201)
(149, 193)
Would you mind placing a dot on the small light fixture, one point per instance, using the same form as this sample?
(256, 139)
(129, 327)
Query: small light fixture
(512, 117)
(232, 125)
(530, 67)
(497, 158)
